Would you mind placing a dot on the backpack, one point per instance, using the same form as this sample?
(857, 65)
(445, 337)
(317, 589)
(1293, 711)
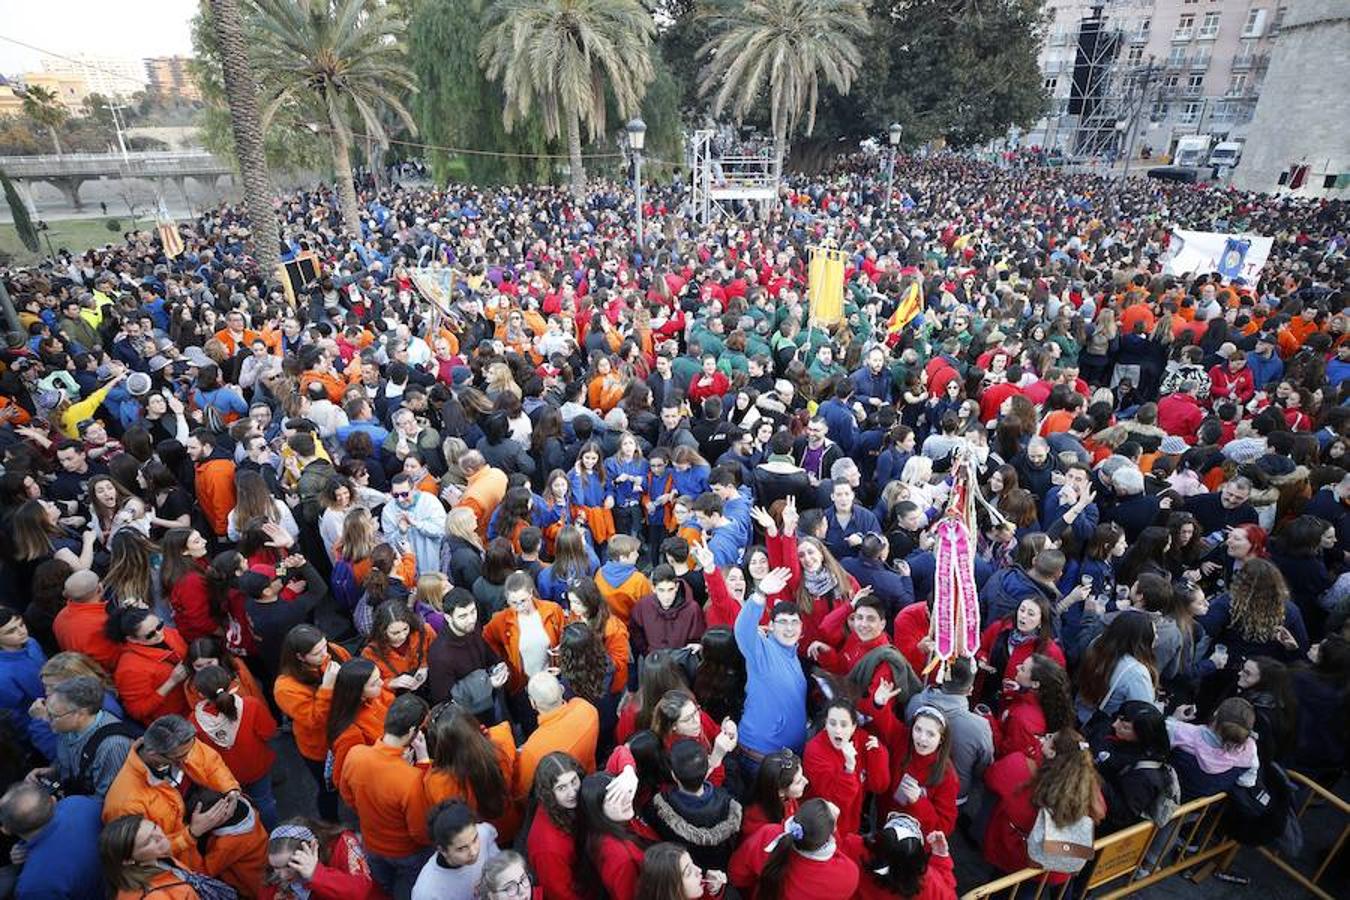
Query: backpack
(1057, 849)
(1166, 801)
(212, 417)
(1263, 814)
(343, 585)
(81, 783)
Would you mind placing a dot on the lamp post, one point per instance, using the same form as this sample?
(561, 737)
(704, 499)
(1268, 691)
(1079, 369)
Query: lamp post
(894, 134)
(637, 136)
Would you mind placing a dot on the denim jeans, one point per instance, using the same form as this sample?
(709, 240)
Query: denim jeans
(397, 874)
(264, 800)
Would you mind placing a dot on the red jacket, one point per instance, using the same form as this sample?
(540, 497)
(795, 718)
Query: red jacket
(79, 627)
(552, 854)
(1180, 415)
(823, 764)
(619, 862)
(939, 883)
(999, 631)
(991, 401)
(140, 672)
(1227, 385)
(911, 626)
(1020, 727)
(806, 879)
(845, 647)
(191, 604)
(345, 876)
(753, 817)
(247, 755)
(717, 385)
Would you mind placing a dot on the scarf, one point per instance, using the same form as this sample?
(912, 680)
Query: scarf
(821, 583)
(1017, 638)
(220, 728)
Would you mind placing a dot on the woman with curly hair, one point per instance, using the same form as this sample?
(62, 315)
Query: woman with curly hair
(586, 671)
(1064, 783)
(1256, 617)
(1042, 702)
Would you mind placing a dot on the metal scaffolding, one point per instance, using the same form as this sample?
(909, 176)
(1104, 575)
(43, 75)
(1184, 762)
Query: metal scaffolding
(1095, 95)
(727, 185)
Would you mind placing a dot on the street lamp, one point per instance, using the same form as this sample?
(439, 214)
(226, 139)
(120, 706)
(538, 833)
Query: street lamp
(894, 134)
(637, 136)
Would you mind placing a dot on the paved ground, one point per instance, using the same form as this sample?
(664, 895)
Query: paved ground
(295, 794)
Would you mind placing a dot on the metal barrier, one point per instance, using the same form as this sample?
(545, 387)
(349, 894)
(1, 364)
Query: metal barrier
(1315, 792)
(1142, 855)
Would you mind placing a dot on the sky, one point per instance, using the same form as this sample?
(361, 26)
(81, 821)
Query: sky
(131, 29)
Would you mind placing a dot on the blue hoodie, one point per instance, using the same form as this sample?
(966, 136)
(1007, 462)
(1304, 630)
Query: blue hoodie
(775, 686)
(20, 685)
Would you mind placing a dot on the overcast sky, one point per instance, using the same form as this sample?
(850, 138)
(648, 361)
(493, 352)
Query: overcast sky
(132, 29)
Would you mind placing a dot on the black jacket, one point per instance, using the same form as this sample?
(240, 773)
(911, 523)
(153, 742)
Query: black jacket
(708, 826)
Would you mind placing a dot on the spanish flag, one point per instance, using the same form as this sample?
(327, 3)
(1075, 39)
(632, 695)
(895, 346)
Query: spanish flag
(911, 304)
(168, 233)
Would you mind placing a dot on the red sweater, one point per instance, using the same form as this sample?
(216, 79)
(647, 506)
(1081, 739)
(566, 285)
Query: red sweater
(619, 862)
(911, 626)
(1019, 729)
(939, 883)
(345, 876)
(753, 817)
(716, 386)
(806, 879)
(846, 649)
(552, 854)
(1016, 655)
(823, 764)
(248, 756)
(191, 605)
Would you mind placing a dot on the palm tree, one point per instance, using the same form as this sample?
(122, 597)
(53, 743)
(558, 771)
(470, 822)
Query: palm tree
(241, 90)
(784, 46)
(340, 58)
(564, 54)
(43, 106)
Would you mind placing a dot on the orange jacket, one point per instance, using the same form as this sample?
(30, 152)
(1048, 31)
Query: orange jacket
(231, 345)
(604, 393)
(619, 650)
(572, 728)
(215, 492)
(79, 627)
(502, 633)
(131, 793)
(482, 494)
(443, 785)
(401, 660)
(307, 706)
(386, 792)
(623, 597)
(366, 729)
(19, 416)
(332, 383)
(1294, 335)
(165, 886)
(141, 670)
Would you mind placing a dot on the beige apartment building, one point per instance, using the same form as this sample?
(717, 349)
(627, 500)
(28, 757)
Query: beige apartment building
(1145, 73)
(169, 79)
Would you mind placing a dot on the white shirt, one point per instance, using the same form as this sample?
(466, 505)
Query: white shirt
(533, 644)
(437, 881)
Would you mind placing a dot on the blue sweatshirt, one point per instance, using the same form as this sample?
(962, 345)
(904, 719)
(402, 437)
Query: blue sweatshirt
(20, 685)
(63, 857)
(775, 686)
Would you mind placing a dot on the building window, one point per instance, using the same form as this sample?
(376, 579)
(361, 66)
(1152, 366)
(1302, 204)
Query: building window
(1051, 84)
(1255, 24)
(1176, 58)
(1185, 28)
(1190, 114)
(1209, 28)
(1276, 22)
(1135, 56)
(1237, 84)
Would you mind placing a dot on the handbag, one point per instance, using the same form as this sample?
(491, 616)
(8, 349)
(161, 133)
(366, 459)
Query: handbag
(1060, 849)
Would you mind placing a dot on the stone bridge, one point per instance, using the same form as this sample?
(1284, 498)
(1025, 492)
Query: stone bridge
(67, 172)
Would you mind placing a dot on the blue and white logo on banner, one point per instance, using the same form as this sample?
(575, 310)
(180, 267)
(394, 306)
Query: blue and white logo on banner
(1233, 257)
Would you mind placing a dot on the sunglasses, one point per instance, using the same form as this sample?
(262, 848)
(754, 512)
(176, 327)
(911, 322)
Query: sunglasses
(401, 495)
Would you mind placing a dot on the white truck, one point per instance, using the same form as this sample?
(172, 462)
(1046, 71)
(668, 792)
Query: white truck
(1192, 150)
(1226, 154)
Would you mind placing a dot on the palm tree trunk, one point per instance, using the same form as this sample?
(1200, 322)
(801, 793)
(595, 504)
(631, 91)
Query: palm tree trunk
(780, 149)
(246, 125)
(56, 139)
(574, 154)
(342, 173)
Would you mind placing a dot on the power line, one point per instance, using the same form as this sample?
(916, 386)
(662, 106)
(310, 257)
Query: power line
(79, 62)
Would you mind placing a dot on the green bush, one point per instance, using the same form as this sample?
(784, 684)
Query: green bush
(114, 225)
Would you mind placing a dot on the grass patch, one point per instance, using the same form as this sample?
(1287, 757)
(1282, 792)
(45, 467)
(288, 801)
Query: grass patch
(76, 235)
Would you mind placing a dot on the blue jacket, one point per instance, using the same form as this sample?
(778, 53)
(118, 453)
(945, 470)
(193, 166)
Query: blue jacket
(553, 586)
(866, 385)
(1001, 595)
(836, 536)
(20, 685)
(726, 544)
(775, 692)
(1082, 527)
(895, 589)
(625, 492)
(1264, 371)
(63, 860)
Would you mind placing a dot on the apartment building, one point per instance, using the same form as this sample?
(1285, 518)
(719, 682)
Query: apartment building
(1162, 69)
(169, 79)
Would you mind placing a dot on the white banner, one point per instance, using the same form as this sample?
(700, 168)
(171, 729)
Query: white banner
(1232, 255)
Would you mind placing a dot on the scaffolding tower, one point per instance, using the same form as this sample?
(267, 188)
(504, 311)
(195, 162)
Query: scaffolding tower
(728, 186)
(1095, 92)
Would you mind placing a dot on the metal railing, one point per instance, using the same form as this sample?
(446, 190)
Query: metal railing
(1138, 857)
(1188, 840)
(1322, 795)
(190, 162)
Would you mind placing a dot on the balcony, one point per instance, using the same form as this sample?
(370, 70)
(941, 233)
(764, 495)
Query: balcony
(1207, 34)
(1248, 61)
(1193, 90)
(1200, 62)
(1139, 37)
(1175, 62)
(1181, 35)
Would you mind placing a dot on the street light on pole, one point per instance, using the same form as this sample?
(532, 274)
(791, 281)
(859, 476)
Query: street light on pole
(637, 136)
(893, 133)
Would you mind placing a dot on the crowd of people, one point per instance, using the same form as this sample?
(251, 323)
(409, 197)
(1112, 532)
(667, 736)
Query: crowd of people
(607, 572)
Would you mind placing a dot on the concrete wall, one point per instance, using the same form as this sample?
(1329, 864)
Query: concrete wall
(1303, 115)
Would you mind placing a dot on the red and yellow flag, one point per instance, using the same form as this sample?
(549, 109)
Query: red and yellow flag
(911, 304)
